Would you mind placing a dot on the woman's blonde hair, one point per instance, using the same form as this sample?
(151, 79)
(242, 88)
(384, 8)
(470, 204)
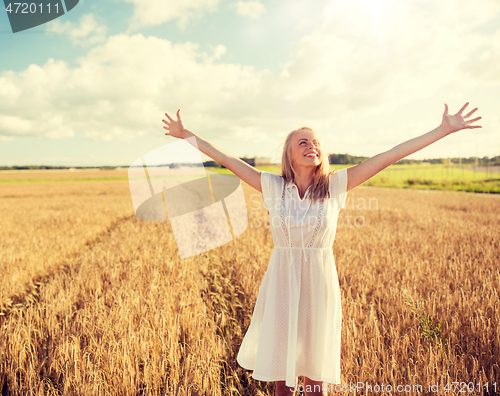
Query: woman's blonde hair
(319, 188)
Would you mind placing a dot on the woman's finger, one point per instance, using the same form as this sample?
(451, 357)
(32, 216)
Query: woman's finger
(169, 117)
(475, 119)
(179, 115)
(472, 112)
(463, 108)
(166, 122)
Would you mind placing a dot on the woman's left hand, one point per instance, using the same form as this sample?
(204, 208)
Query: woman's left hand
(454, 123)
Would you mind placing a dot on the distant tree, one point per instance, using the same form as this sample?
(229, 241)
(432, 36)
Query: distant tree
(408, 161)
(495, 160)
(211, 164)
(345, 159)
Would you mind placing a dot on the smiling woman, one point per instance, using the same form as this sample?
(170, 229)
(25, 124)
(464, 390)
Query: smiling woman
(303, 151)
(296, 323)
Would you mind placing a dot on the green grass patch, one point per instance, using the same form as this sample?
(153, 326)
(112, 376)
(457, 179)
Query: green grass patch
(427, 177)
(491, 186)
(430, 328)
(423, 177)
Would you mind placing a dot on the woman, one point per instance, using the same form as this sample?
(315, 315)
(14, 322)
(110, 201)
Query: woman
(295, 327)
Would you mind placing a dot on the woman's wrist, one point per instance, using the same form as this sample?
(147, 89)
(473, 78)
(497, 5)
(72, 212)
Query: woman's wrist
(187, 133)
(444, 131)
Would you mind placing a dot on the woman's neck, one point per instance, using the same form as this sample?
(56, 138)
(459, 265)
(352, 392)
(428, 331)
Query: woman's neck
(303, 178)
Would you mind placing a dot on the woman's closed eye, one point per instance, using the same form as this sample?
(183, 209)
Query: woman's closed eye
(315, 143)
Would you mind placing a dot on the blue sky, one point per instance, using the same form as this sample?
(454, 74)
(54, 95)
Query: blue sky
(91, 87)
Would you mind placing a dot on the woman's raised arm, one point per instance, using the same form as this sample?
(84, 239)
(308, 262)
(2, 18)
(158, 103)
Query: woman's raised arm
(240, 168)
(451, 123)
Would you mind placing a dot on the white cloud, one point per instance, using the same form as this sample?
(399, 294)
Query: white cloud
(86, 33)
(356, 64)
(251, 9)
(359, 59)
(156, 12)
(219, 50)
(107, 97)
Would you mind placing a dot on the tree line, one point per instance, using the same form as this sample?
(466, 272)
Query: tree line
(335, 159)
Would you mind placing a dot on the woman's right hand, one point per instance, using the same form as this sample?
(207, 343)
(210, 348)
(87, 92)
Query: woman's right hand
(175, 128)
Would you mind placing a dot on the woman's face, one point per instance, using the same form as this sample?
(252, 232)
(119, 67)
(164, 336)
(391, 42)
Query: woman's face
(305, 149)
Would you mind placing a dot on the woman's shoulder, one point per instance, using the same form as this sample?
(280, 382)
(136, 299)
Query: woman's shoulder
(334, 173)
(271, 184)
(270, 181)
(338, 186)
(272, 177)
(334, 179)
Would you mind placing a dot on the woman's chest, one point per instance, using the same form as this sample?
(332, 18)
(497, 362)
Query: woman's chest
(303, 213)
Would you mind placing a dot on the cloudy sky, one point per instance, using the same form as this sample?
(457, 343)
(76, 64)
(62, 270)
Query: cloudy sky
(91, 87)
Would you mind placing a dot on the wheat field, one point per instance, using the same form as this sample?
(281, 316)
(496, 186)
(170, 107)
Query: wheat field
(94, 301)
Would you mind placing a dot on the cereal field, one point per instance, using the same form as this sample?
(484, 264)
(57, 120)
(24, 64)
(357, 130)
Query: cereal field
(94, 301)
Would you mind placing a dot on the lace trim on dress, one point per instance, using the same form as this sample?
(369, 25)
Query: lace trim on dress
(283, 224)
(318, 224)
(282, 216)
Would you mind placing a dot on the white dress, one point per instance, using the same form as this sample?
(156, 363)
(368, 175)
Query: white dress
(296, 322)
